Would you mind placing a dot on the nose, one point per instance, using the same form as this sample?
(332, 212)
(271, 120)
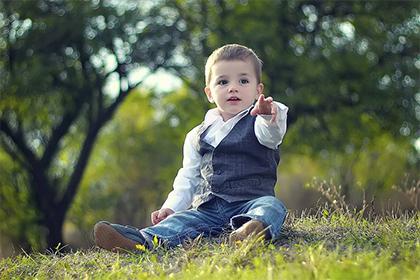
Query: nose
(233, 88)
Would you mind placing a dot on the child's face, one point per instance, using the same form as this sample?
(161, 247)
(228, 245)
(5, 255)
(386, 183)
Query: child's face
(233, 86)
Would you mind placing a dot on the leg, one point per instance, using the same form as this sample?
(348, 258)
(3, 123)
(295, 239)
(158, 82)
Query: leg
(172, 231)
(184, 225)
(264, 214)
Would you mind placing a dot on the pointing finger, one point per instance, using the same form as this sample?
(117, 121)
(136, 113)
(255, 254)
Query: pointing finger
(261, 98)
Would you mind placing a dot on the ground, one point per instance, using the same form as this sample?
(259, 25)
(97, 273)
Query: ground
(324, 245)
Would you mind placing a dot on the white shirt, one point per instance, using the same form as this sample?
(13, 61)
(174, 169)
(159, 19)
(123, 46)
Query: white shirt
(188, 177)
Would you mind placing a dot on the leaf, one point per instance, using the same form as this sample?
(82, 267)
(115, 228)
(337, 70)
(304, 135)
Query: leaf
(155, 241)
(141, 247)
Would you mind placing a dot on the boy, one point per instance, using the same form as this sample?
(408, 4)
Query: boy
(229, 166)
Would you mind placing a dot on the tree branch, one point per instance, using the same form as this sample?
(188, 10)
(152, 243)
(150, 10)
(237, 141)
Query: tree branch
(57, 134)
(13, 154)
(41, 188)
(82, 161)
(86, 150)
(18, 139)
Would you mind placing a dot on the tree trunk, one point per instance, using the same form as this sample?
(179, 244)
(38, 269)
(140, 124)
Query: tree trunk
(54, 221)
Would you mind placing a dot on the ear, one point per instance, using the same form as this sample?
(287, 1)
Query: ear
(260, 90)
(208, 93)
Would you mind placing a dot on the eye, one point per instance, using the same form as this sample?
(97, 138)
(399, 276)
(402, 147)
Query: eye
(244, 81)
(222, 82)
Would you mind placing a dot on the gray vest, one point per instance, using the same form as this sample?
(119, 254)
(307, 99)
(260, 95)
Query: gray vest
(239, 168)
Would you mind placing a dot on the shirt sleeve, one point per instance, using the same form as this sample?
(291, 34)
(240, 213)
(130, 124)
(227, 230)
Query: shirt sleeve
(271, 134)
(188, 177)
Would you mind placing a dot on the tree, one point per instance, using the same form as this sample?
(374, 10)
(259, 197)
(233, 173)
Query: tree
(348, 71)
(339, 65)
(136, 159)
(60, 59)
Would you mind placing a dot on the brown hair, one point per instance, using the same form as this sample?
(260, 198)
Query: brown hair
(233, 52)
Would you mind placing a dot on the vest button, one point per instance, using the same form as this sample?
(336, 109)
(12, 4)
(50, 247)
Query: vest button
(218, 172)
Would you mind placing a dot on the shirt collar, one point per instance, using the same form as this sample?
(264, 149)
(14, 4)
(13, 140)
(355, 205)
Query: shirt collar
(213, 115)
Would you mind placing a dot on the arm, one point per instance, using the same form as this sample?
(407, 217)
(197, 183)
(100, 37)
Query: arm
(270, 125)
(185, 182)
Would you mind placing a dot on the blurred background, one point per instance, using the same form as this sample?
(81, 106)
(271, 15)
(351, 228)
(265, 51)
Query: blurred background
(96, 98)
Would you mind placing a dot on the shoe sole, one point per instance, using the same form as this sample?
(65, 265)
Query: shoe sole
(110, 239)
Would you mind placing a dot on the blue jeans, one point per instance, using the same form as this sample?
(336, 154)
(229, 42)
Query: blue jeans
(210, 219)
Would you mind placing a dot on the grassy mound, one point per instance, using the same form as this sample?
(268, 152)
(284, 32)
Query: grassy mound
(324, 245)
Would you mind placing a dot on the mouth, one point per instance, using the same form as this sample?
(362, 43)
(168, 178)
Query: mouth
(234, 98)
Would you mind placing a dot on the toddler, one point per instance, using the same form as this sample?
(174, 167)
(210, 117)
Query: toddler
(229, 166)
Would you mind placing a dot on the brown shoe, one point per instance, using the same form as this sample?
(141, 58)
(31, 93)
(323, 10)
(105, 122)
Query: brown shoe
(250, 228)
(110, 239)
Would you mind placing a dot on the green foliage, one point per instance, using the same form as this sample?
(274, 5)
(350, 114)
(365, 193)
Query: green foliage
(312, 247)
(59, 59)
(347, 69)
(136, 159)
(380, 163)
(15, 202)
(334, 63)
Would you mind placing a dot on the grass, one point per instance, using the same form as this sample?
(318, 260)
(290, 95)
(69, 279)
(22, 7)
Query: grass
(328, 244)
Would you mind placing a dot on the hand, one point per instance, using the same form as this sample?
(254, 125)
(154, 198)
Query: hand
(265, 106)
(160, 215)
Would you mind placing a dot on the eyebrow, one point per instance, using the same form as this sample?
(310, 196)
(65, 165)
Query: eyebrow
(225, 76)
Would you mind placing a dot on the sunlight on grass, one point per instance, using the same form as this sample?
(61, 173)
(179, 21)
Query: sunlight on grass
(319, 246)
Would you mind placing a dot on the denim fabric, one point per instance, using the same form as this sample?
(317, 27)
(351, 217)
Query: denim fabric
(210, 219)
